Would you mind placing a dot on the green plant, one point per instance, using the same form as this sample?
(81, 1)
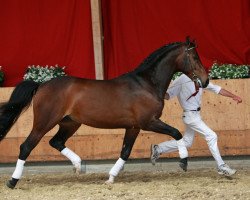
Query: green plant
(229, 71)
(176, 75)
(225, 71)
(42, 74)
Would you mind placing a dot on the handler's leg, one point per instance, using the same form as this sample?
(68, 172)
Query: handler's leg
(128, 142)
(211, 138)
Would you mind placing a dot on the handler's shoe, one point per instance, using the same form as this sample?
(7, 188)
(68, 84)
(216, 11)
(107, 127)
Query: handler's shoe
(226, 170)
(154, 153)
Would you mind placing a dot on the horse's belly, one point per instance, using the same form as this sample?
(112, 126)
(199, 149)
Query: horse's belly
(108, 123)
(105, 119)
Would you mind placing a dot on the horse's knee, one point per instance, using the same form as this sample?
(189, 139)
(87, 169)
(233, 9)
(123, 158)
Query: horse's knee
(25, 150)
(57, 144)
(176, 134)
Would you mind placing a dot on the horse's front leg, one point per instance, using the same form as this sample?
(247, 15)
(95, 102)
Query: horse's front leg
(160, 127)
(128, 142)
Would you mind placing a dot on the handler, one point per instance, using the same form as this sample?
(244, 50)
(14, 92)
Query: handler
(189, 96)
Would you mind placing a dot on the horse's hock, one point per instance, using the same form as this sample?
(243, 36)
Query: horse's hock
(230, 121)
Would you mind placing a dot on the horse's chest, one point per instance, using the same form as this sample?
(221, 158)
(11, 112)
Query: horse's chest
(149, 108)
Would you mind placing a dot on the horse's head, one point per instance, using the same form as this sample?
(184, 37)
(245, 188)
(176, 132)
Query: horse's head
(190, 64)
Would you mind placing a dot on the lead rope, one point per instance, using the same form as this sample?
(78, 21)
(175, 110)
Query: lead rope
(195, 93)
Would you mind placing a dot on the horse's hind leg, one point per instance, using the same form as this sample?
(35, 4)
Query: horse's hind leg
(42, 124)
(128, 143)
(67, 128)
(25, 149)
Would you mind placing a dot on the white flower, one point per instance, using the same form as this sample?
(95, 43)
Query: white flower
(41, 74)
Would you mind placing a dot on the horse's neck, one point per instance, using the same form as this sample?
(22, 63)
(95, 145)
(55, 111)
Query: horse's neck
(160, 77)
(158, 69)
(164, 79)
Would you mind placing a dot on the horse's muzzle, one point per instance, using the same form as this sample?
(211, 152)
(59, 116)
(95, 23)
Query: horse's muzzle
(206, 83)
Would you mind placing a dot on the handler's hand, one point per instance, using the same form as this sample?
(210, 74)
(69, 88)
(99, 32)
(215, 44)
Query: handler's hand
(237, 99)
(167, 96)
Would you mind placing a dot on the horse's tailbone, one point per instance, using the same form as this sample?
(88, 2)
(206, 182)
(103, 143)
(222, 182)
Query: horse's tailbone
(20, 99)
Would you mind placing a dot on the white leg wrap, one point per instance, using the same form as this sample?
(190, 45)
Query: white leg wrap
(117, 167)
(111, 179)
(182, 148)
(19, 169)
(73, 157)
(115, 170)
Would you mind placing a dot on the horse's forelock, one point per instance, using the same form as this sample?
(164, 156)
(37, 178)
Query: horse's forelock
(188, 40)
(190, 43)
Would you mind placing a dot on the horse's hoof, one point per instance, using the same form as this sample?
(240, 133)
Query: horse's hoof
(10, 185)
(77, 168)
(109, 182)
(183, 164)
(77, 171)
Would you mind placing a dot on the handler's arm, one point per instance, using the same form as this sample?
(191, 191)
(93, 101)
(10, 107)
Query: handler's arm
(167, 97)
(226, 93)
(175, 88)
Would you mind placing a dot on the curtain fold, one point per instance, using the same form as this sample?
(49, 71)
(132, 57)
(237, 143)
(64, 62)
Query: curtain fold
(135, 28)
(45, 32)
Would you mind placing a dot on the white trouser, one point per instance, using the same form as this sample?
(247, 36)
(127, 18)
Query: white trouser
(194, 124)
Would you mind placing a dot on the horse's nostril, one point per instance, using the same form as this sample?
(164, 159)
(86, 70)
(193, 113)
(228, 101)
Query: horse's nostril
(206, 83)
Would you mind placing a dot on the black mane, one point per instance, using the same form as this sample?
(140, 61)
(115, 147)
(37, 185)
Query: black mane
(156, 56)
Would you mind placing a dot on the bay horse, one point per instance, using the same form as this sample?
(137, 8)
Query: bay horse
(132, 101)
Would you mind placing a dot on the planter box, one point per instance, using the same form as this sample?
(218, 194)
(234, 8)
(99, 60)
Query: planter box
(230, 121)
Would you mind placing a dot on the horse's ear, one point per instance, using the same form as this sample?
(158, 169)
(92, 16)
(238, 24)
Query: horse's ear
(188, 40)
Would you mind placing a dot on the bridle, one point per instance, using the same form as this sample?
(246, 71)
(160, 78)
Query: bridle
(195, 78)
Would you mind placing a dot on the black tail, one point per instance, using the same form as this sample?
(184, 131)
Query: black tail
(20, 99)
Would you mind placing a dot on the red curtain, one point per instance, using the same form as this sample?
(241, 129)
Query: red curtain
(135, 28)
(45, 32)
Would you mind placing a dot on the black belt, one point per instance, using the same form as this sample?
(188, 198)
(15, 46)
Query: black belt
(198, 109)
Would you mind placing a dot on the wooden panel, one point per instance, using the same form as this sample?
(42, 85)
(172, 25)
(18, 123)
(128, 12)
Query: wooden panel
(94, 147)
(246, 102)
(9, 150)
(229, 120)
(222, 113)
(214, 110)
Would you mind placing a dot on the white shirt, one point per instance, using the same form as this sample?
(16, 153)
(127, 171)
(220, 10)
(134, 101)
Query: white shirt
(183, 87)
